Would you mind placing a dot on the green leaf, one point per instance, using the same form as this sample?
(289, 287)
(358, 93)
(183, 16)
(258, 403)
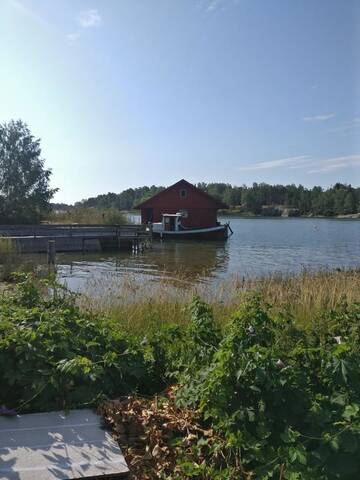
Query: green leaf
(289, 435)
(351, 411)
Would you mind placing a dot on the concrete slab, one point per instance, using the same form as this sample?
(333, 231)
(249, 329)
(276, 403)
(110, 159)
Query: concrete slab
(55, 445)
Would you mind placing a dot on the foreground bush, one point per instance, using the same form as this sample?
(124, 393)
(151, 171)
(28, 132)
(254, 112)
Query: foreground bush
(52, 355)
(281, 402)
(287, 401)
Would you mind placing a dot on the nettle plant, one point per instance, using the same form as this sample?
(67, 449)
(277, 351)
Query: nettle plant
(286, 401)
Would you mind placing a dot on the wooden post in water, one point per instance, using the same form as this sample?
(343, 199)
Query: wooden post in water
(151, 235)
(51, 252)
(135, 246)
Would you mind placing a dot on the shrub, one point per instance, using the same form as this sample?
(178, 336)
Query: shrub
(288, 401)
(53, 355)
(198, 348)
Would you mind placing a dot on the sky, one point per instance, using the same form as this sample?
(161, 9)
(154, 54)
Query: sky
(126, 93)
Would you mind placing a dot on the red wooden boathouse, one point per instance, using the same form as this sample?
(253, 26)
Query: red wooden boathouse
(197, 207)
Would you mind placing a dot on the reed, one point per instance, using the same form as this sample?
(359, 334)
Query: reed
(89, 216)
(7, 257)
(143, 306)
(310, 293)
(5, 247)
(11, 261)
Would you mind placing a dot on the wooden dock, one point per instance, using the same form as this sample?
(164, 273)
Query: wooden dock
(76, 237)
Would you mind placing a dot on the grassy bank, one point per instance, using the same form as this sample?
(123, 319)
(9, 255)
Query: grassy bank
(144, 306)
(261, 388)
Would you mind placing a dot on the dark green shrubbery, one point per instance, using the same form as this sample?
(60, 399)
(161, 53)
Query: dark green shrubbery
(52, 355)
(284, 402)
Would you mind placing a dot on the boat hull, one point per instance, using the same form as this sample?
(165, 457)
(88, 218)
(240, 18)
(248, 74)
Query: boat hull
(212, 233)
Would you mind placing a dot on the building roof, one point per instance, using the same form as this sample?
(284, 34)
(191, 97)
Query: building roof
(217, 203)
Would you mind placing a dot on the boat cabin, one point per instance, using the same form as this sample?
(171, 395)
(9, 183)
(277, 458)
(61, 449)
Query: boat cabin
(171, 222)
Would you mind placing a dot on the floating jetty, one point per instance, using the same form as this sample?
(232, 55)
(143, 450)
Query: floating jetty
(76, 237)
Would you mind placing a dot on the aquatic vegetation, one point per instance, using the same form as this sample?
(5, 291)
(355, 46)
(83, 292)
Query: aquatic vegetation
(145, 306)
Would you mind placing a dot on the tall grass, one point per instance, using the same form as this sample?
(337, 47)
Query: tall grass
(6, 246)
(143, 306)
(90, 216)
(7, 254)
(310, 292)
(12, 261)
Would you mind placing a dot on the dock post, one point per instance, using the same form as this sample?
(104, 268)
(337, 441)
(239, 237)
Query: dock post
(135, 246)
(51, 252)
(151, 235)
(117, 233)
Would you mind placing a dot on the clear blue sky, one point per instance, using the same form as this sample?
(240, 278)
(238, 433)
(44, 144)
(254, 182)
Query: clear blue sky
(125, 93)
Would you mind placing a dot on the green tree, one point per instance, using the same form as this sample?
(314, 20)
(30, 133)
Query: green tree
(251, 198)
(24, 182)
(349, 203)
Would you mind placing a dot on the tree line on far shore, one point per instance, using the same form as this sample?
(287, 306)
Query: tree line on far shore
(340, 199)
(25, 193)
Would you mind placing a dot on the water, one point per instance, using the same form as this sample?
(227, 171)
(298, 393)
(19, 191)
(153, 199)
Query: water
(258, 247)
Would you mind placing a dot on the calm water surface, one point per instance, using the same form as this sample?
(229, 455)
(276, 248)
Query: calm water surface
(258, 247)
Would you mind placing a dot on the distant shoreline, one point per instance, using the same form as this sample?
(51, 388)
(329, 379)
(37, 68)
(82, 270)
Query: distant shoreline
(236, 213)
(230, 213)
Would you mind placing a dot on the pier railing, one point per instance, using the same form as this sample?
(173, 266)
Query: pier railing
(76, 237)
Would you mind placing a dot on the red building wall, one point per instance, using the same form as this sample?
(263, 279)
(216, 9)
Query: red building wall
(201, 208)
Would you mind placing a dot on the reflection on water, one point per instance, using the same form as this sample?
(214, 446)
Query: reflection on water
(258, 247)
(190, 260)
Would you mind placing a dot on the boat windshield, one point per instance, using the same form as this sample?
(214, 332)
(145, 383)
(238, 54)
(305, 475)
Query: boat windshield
(172, 221)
